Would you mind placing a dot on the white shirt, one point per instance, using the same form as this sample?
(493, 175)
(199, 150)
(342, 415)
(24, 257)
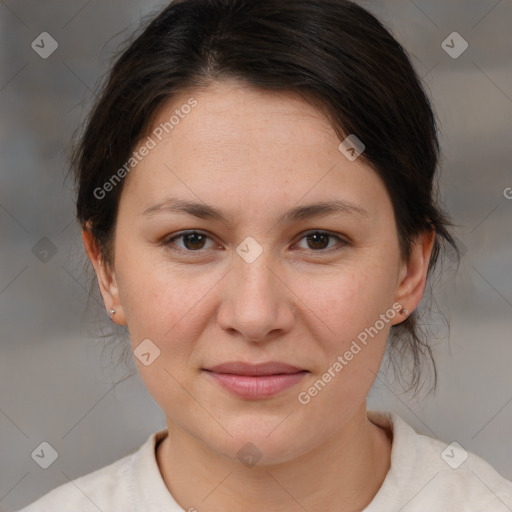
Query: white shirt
(420, 480)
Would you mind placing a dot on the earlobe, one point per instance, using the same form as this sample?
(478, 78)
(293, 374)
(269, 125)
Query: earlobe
(413, 276)
(106, 277)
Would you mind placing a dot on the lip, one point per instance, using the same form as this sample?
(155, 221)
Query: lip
(256, 381)
(268, 368)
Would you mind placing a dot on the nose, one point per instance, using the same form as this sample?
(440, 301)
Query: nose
(257, 304)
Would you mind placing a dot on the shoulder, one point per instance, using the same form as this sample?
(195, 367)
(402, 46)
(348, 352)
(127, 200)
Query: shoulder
(427, 472)
(98, 490)
(106, 489)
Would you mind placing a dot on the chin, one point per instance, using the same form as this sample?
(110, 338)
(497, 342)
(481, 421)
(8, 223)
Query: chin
(262, 442)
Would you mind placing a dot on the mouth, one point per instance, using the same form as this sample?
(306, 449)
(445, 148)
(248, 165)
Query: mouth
(256, 381)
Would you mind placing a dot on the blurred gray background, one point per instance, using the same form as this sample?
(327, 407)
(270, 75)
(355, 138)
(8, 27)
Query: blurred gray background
(58, 377)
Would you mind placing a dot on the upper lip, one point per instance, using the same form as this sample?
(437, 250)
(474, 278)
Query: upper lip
(241, 368)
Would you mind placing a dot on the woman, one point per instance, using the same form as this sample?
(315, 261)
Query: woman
(256, 193)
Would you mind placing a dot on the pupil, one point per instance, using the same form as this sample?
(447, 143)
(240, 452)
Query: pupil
(193, 237)
(315, 239)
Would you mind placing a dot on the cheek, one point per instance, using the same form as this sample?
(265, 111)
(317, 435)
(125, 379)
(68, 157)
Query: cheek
(349, 300)
(347, 310)
(162, 301)
(167, 307)
(353, 339)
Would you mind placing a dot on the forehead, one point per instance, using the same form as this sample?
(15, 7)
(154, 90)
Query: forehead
(231, 113)
(237, 144)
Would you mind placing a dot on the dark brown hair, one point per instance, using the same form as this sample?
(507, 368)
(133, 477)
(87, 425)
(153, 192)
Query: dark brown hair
(333, 53)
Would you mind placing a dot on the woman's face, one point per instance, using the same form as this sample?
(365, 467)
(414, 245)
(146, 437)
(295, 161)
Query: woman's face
(256, 286)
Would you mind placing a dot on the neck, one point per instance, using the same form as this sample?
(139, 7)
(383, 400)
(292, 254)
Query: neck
(341, 474)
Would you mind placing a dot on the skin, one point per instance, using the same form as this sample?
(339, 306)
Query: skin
(254, 155)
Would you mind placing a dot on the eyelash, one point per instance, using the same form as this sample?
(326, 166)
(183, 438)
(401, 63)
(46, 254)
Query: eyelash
(168, 243)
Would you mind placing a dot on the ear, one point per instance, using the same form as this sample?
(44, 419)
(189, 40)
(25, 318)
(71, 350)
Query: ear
(105, 274)
(413, 275)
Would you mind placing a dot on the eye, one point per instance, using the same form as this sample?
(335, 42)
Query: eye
(318, 240)
(193, 241)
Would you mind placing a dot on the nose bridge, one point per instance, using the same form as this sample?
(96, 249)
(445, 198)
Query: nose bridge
(255, 282)
(255, 303)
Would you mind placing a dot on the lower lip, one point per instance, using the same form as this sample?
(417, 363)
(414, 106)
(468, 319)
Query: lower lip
(262, 386)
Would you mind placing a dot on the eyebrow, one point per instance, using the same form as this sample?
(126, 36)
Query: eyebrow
(204, 211)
